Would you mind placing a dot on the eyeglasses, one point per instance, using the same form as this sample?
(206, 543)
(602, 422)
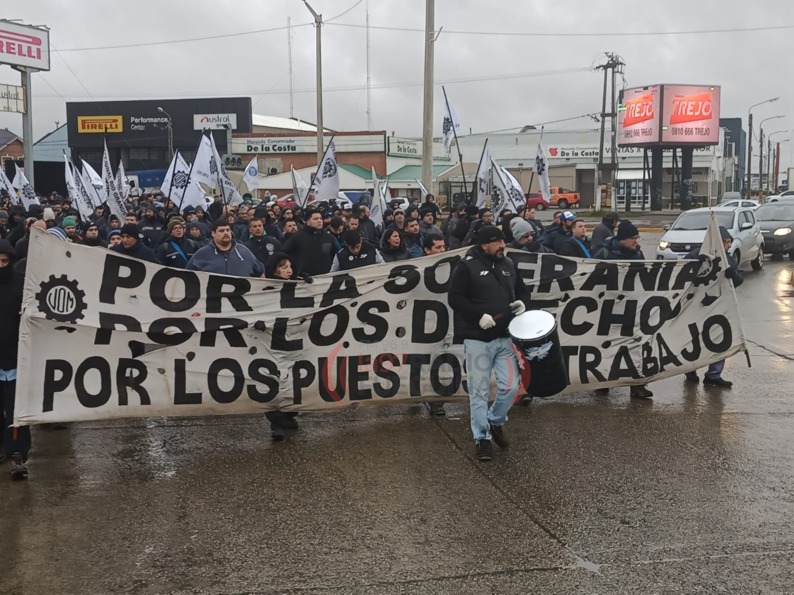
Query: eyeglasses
(635, 238)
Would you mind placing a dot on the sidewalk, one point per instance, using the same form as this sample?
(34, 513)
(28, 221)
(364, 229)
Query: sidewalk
(646, 221)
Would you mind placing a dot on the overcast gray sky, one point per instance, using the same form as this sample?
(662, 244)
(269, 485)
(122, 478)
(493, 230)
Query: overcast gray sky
(505, 79)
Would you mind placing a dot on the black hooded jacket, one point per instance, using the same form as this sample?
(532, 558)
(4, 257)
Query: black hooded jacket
(313, 250)
(484, 285)
(10, 306)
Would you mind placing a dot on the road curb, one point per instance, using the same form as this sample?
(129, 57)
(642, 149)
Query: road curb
(650, 229)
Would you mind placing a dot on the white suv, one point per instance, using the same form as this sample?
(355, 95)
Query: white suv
(688, 231)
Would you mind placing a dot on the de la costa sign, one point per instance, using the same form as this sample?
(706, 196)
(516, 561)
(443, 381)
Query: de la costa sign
(21, 45)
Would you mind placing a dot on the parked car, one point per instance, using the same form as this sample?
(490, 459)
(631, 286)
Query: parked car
(689, 229)
(562, 198)
(535, 200)
(777, 226)
(733, 203)
(778, 198)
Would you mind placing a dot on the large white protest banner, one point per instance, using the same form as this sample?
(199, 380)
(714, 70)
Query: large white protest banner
(104, 336)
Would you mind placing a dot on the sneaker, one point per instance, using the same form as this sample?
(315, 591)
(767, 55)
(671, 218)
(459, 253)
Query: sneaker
(277, 433)
(18, 468)
(692, 377)
(288, 421)
(640, 392)
(718, 381)
(483, 450)
(526, 400)
(498, 436)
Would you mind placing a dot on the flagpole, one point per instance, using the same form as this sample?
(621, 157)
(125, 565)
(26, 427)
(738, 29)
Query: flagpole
(532, 177)
(218, 169)
(190, 173)
(314, 181)
(476, 184)
(457, 144)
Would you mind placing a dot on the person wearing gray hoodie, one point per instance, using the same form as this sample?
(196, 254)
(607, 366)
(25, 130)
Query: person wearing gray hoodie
(223, 255)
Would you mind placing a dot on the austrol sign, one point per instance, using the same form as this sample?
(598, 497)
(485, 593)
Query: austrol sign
(21, 45)
(214, 121)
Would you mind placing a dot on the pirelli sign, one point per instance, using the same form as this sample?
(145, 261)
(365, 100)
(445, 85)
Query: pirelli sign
(100, 124)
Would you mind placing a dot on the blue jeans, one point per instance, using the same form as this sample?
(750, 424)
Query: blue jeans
(483, 358)
(715, 369)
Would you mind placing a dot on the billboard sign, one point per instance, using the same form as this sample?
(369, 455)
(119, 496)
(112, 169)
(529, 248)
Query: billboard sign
(691, 115)
(349, 143)
(100, 124)
(214, 121)
(12, 99)
(21, 45)
(638, 116)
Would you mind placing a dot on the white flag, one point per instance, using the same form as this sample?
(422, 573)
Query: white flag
(251, 177)
(113, 195)
(81, 198)
(450, 127)
(175, 180)
(85, 176)
(5, 184)
(192, 196)
(499, 195)
(483, 175)
(541, 169)
(26, 192)
(300, 189)
(122, 182)
(376, 208)
(229, 193)
(326, 181)
(422, 188)
(96, 182)
(205, 167)
(515, 194)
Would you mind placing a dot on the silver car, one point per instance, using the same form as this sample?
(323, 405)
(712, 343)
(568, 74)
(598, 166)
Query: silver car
(689, 230)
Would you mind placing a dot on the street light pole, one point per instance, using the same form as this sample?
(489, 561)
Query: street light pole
(427, 115)
(750, 139)
(170, 126)
(318, 23)
(761, 151)
(772, 160)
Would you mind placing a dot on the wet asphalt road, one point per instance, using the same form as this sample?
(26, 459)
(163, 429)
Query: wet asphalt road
(692, 492)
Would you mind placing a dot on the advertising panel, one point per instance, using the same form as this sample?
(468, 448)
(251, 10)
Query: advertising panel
(352, 143)
(691, 115)
(12, 99)
(140, 124)
(21, 45)
(638, 116)
(214, 121)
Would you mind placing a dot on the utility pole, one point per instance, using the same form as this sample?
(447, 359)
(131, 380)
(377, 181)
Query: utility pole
(27, 124)
(318, 23)
(606, 171)
(291, 78)
(427, 116)
(369, 79)
(750, 141)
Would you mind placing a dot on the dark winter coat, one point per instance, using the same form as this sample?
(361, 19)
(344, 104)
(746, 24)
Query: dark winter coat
(613, 250)
(484, 285)
(263, 247)
(312, 250)
(575, 248)
(168, 255)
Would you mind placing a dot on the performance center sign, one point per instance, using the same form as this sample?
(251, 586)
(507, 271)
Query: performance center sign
(104, 336)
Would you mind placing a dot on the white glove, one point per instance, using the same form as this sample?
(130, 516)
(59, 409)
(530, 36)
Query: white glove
(517, 307)
(486, 322)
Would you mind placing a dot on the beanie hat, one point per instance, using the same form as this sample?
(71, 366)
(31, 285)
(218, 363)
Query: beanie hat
(174, 222)
(115, 232)
(6, 248)
(69, 222)
(520, 228)
(58, 233)
(49, 214)
(489, 233)
(3, 214)
(626, 230)
(130, 229)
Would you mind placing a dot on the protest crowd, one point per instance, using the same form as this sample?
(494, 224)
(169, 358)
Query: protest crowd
(262, 239)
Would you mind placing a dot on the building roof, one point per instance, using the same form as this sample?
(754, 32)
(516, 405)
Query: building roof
(52, 145)
(286, 124)
(357, 170)
(7, 137)
(414, 172)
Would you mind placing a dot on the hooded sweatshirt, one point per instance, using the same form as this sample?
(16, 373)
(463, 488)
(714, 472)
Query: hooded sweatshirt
(238, 261)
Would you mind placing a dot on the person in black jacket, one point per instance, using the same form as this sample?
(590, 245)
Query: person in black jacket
(577, 245)
(556, 235)
(262, 245)
(356, 254)
(151, 228)
(485, 293)
(393, 247)
(131, 244)
(16, 441)
(312, 248)
(713, 374)
(177, 249)
(603, 231)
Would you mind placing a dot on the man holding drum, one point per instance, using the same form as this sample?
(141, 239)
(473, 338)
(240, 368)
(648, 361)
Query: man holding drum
(485, 293)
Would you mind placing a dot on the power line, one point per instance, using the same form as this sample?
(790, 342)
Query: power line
(576, 34)
(344, 13)
(359, 87)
